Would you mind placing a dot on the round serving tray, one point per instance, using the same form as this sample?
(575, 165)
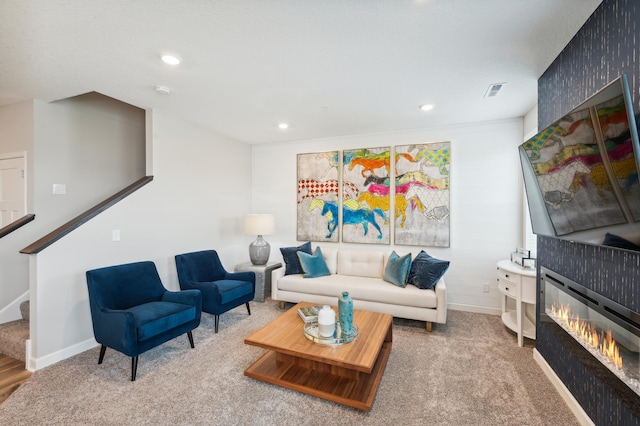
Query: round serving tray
(311, 333)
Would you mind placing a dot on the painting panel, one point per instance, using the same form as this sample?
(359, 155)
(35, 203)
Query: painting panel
(366, 195)
(422, 200)
(318, 184)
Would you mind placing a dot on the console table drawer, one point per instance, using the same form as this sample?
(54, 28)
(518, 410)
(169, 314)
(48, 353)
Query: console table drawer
(509, 277)
(508, 288)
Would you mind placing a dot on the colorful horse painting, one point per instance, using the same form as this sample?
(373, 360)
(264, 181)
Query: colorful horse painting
(311, 188)
(360, 216)
(383, 203)
(434, 204)
(437, 157)
(372, 162)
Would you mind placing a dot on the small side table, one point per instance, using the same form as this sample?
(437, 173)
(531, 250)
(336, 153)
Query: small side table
(263, 277)
(520, 284)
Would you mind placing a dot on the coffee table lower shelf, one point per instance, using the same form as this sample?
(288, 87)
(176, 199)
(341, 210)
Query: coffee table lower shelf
(351, 388)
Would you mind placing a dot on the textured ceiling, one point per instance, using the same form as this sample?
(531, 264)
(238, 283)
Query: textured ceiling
(327, 67)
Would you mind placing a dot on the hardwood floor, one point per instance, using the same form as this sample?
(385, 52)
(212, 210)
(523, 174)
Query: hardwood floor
(12, 375)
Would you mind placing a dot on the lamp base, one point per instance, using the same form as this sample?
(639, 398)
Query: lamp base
(259, 251)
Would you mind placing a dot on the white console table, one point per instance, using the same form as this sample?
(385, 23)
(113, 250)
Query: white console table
(519, 284)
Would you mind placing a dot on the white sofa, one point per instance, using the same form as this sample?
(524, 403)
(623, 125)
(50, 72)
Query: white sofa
(361, 273)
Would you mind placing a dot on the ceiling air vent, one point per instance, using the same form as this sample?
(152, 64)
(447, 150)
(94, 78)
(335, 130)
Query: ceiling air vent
(494, 89)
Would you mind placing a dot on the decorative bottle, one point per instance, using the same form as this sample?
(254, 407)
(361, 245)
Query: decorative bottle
(326, 321)
(345, 313)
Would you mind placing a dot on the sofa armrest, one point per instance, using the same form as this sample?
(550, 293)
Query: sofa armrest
(441, 301)
(276, 274)
(186, 297)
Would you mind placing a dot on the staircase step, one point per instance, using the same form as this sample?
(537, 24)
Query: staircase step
(13, 336)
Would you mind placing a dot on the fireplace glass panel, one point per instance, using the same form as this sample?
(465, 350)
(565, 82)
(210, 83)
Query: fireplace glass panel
(617, 346)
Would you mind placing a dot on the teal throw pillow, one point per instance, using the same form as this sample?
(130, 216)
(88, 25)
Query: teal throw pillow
(397, 269)
(426, 271)
(291, 261)
(313, 265)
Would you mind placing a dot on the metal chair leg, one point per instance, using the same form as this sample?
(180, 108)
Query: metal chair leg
(134, 367)
(190, 336)
(248, 308)
(103, 349)
(217, 321)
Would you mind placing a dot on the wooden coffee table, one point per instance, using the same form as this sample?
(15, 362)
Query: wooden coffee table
(348, 374)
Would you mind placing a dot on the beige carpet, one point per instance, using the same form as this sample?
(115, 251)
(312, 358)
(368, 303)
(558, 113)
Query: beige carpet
(467, 372)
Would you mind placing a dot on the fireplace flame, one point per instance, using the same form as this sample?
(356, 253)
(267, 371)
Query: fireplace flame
(601, 341)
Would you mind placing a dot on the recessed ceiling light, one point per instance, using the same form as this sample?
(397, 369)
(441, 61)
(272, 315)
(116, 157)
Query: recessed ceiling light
(426, 107)
(170, 59)
(283, 126)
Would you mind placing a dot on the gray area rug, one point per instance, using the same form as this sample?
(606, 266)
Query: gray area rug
(467, 372)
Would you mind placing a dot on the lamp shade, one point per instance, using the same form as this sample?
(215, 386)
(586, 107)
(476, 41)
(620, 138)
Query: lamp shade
(259, 224)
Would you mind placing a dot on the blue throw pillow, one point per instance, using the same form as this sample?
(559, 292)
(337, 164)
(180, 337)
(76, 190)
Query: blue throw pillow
(313, 265)
(397, 269)
(291, 261)
(426, 271)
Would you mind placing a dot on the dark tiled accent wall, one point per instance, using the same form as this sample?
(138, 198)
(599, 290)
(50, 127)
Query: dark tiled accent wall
(605, 47)
(610, 272)
(615, 274)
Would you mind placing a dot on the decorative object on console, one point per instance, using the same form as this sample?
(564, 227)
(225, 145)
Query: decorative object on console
(426, 270)
(345, 313)
(365, 218)
(259, 224)
(326, 321)
(291, 260)
(522, 258)
(422, 194)
(318, 189)
(313, 265)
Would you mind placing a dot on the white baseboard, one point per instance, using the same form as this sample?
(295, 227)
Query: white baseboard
(11, 312)
(574, 406)
(34, 364)
(474, 308)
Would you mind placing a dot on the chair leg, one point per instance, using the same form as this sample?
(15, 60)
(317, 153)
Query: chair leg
(190, 336)
(217, 321)
(134, 367)
(248, 308)
(103, 349)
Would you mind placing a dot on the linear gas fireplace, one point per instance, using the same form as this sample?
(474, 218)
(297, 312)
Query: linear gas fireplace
(608, 331)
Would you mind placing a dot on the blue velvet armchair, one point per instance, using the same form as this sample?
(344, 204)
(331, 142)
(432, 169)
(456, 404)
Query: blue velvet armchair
(133, 312)
(221, 290)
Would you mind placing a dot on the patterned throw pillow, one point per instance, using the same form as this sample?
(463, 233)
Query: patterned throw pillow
(426, 271)
(291, 261)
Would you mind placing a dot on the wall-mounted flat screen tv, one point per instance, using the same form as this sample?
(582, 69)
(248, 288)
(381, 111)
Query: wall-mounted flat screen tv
(581, 172)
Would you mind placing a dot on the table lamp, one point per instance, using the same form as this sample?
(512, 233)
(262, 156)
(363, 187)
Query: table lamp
(259, 224)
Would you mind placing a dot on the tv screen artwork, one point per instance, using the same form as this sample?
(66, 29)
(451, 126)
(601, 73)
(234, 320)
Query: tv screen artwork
(581, 173)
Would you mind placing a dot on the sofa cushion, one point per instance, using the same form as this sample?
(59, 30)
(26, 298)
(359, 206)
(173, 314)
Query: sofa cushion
(313, 265)
(154, 318)
(360, 263)
(290, 257)
(360, 288)
(397, 269)
(426, 270)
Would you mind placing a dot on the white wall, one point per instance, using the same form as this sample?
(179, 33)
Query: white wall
(93, 144)
(16, 135)
(486, 196)
(201, 190)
